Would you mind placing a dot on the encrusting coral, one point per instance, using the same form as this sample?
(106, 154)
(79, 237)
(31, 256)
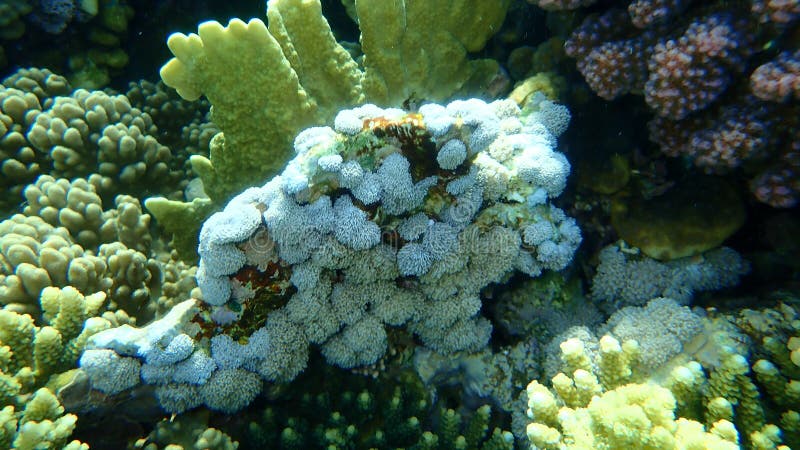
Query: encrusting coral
(692, 217)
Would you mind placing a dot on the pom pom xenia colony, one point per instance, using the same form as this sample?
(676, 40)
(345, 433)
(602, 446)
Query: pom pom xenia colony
(387, 221)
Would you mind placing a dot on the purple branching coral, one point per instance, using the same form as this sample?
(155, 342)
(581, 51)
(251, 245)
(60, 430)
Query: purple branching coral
(697, 66)
(689, 73)
(779, 79)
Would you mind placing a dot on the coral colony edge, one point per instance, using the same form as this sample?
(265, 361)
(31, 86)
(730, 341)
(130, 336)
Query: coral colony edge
(411, 224)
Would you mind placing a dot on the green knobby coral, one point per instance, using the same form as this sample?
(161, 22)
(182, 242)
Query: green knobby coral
(23, 97)
(35, 255)
(11, 23)
(65, 238)
(46, 128)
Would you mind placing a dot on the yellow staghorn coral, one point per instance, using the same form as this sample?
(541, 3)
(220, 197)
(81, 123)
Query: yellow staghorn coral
(607, 404)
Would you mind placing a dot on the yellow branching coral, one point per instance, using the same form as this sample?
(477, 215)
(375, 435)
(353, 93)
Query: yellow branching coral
(31, 354)
(740, 376)
(638, 416)
(266, 83)
(257, 97)
(417, 48)
(41, 424)
(601, 407)
(38, 353)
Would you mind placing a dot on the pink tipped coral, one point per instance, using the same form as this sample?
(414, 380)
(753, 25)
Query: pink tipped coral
(779, 184)
(689, 73)
(779, 79)
(777, 11)
(648, 12)
(611, 54)
(717, 140)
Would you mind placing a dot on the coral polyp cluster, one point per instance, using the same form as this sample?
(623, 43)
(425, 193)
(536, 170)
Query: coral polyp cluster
(389, 220)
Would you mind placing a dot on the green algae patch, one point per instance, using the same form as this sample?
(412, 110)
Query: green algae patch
(694, 216)
(604, 175)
